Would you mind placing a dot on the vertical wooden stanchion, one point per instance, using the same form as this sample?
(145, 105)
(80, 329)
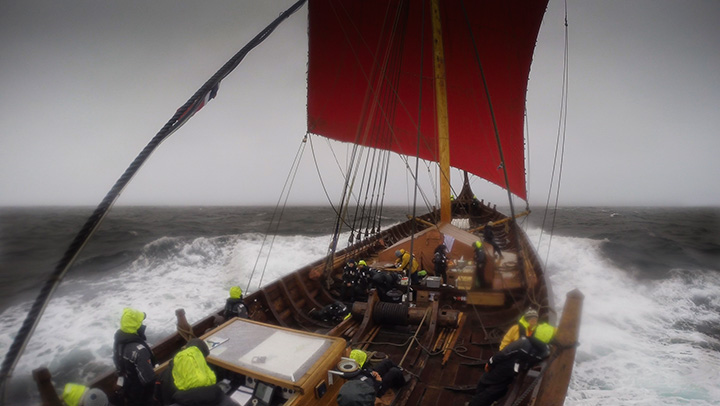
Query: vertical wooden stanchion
(557, 377)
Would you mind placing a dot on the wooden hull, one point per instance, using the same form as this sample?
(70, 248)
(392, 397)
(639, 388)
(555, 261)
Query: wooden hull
(458, 329)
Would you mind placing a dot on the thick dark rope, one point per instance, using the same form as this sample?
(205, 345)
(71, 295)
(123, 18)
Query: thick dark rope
(181, 116)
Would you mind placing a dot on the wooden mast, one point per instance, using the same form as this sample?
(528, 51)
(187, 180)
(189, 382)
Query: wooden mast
(442, 114)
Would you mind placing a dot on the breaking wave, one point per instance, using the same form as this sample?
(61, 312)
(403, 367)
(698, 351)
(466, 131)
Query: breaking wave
(643, 342)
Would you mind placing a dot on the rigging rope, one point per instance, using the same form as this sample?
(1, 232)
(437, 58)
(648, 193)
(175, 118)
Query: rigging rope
(559, 143)
(181, 116)
(492, 111)
(289, 180)
(413, 226)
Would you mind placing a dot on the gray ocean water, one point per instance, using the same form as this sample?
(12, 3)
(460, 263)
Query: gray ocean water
(651, 278)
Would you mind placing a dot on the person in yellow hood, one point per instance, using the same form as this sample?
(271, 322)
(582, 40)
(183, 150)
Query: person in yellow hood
(235, 305)
(382, 377)
(525, 327)
(189, 381)
(80, 395)
(133, 358)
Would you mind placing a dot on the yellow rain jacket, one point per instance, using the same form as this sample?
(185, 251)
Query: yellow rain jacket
(513, 333)
(190, 370)
(405, 259)
(545, 332)
(73, 393)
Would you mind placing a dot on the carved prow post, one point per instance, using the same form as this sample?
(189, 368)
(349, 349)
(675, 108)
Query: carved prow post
(183, 327)
(557, 377)
(43, 379)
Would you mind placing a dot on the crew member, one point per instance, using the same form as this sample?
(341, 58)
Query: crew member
(501, 369)
(134, 359)
(234, 305)
(489, 237)
(440, 261)
(403, 262)
(386, 375)
(480, 259)
(525, 327)
(365, 275)
(350, 281)
(189, 381)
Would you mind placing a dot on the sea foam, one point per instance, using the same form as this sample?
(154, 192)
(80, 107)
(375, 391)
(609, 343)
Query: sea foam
(640, 343)
(74, 337)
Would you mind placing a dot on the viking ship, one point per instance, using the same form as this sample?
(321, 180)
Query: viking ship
(443, 81)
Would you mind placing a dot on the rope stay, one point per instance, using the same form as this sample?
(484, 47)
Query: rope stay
(206, 92)
(374, 131)
(289, 181)
(559, 144)
(492, 111)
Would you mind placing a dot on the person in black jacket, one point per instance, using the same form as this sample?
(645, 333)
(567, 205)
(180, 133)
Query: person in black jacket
(501, 369)
(134, 360)
(480, 260)
(234, 305)
(386, 375)
(489, 237)
(440, 261)
(350, 281)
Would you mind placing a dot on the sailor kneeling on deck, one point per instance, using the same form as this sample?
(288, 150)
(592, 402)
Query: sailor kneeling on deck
(365, 384)
(189, 381)
(503, 367)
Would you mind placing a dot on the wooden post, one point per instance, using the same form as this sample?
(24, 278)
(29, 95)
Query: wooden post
(43, 379)
(183, 327)
(367, 322)
(557, 377)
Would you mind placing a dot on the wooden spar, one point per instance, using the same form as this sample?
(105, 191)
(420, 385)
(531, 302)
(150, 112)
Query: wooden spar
(498, 222)
(410, 344)
(421, 221)
(368, 318)
(451, 345)
(557, 376)
(441, 111)
(439, 340)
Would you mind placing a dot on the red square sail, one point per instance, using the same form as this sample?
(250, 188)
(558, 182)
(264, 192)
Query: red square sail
(370, 59)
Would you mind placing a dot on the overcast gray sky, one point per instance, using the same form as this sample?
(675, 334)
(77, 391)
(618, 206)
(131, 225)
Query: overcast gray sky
(84, 85)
